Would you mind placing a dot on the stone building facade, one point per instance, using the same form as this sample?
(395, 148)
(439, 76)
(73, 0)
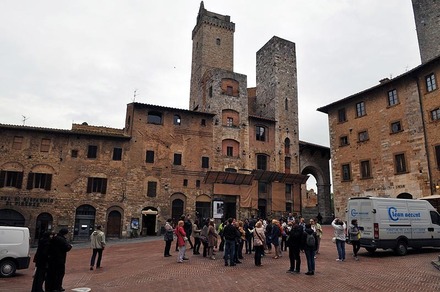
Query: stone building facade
(235, 153)
(384, 140)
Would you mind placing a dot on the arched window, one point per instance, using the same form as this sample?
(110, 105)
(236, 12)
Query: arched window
(177, 120)
(154, 118)
(287, 146)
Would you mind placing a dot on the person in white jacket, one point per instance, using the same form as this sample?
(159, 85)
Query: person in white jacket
(340, 227)
(97, 242)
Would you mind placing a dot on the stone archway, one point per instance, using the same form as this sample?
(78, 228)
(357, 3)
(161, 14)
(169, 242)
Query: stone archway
(314, 160)
(9, 217)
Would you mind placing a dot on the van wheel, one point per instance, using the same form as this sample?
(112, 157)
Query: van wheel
(371, 249)
(401, 248)
(7, 268)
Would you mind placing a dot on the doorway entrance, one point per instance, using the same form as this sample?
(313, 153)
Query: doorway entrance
(84, 222)
(44, 223)
(114, 224)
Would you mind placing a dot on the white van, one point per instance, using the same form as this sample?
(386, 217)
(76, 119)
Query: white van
(14, 250)
(395, 223)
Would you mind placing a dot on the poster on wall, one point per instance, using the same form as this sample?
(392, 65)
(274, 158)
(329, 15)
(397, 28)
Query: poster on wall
(217, 211)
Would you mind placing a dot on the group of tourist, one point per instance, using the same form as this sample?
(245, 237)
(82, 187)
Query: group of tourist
(259, 236)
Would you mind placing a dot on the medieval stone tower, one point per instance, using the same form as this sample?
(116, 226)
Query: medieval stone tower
(213, 47)
(427, 18)
(277, 98)
(272, 106)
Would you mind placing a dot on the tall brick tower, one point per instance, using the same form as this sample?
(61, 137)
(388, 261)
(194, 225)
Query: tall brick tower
(277, 98)
(213, 47)
(427, 18)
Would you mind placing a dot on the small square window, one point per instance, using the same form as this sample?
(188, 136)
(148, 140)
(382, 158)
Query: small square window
(185, 182)
(74, 153)
(396, 127)
(92, 151)
(198, 183)
(229, 122)
(177, 159)
(343, 141)
(117, 153)
(363, 136)
(152, 188)
(342, 117)
(217, 41)
(435, 114)
(149, 157)
(177, 120)
(203, 122)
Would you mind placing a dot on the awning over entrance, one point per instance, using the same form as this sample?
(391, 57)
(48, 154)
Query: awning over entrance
(223, 177)
(271, 176)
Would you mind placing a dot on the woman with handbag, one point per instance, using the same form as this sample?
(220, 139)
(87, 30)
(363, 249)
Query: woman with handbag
(181, 241)
(168, 237)
(259, 242)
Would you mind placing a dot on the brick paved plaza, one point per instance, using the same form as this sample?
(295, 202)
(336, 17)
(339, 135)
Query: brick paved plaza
(139, 265)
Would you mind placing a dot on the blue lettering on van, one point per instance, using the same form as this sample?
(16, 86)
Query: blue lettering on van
(394, 215)
(356, 213)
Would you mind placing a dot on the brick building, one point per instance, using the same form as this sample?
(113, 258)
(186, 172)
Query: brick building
(236, 152)
(385, 140)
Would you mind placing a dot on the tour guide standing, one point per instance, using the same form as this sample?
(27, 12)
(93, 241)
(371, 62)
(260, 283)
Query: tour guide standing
(97, 242)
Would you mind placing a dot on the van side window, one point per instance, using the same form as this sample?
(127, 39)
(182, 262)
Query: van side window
(435, 217)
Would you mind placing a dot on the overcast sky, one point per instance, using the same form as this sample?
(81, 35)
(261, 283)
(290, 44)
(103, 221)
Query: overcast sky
(64, 62)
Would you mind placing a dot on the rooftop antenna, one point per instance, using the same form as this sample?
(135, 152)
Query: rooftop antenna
(134, 95)
(24, 119)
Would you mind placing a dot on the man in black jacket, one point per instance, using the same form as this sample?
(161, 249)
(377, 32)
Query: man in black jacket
(230, 232)
(295, 244)
(187, 226)
(58, 249)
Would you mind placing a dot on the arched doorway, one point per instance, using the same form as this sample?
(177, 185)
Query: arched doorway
(114, 224)
(149, 215)
(84, 222)
(176, 209)
(44, 223)
(404, 196)
(9, 217)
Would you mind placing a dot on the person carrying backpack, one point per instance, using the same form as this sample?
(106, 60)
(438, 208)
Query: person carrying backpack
(310, 244)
